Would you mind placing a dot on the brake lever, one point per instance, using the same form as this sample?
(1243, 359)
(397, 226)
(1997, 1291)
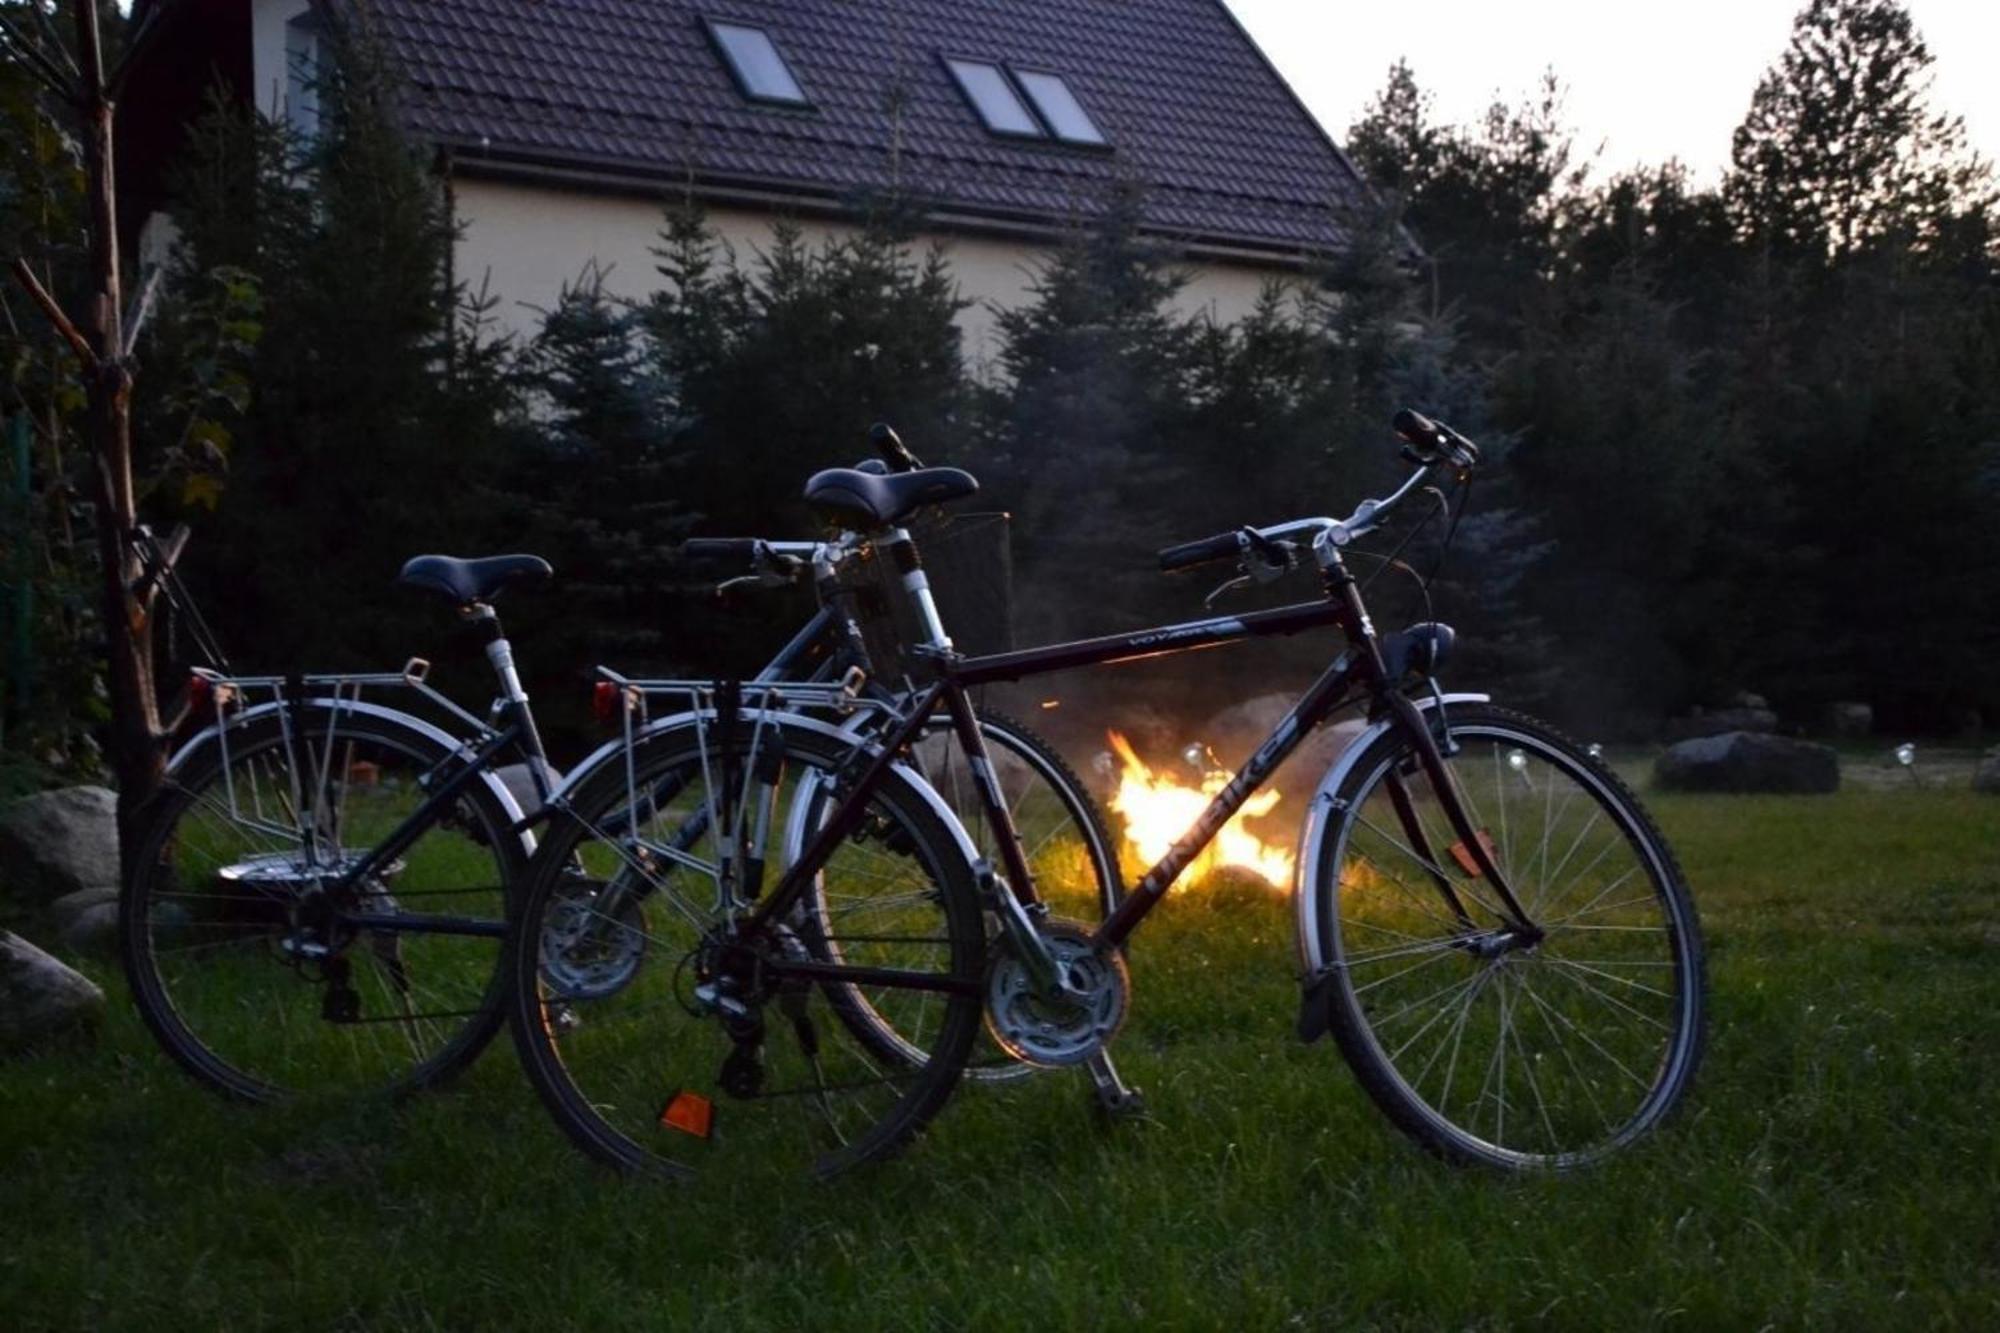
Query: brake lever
(1229, 585)
(1266, 561)
(774, 570)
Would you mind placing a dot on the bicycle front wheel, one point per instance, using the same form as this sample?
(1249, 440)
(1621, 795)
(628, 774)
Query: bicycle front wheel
(262, 976)
(665, 1039)
(1484, 1044)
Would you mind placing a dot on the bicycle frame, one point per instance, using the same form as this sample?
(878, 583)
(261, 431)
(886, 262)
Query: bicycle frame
(1358, 669)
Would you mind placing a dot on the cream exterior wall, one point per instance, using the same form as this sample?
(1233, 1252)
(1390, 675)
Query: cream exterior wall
(267, 52)
(523, 243)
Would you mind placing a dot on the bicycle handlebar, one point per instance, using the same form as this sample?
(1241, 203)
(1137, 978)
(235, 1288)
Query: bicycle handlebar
(890, 445)
(720, 548)
(1218, 547)
(1430, 444)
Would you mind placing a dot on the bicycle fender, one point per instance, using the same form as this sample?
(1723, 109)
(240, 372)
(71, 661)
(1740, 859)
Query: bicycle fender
(610, 751)
(1321, 819)
(498, 789)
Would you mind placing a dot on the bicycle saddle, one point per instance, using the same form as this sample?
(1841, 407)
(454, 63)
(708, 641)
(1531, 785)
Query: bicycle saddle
(869, 500)
(466, 581)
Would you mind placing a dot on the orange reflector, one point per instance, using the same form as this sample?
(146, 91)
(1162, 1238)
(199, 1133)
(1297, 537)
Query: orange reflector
(690, 1113)
(1463, 854)
(1052, 703)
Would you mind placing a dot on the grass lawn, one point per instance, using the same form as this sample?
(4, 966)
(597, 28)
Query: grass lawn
(1838, 1165)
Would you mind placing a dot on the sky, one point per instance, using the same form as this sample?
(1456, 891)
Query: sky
(1645, 82)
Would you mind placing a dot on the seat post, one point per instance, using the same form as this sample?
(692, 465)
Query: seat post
(514, 699)
(904, 551)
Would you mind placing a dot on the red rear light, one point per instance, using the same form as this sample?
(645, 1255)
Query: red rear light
(604, 702)
(201, 696)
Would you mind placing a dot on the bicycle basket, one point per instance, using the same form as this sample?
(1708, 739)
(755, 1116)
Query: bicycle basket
(969, 562)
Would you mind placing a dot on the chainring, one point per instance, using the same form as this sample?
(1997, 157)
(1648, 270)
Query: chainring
(1058, 1032)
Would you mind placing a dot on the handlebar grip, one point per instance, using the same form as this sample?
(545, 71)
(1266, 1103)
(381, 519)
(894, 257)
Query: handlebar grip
(1433, 438)
(720, 548)
(1219, 547)
(1419, 431)
(890, 445)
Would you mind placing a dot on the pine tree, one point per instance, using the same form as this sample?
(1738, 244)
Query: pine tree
(1841, 149)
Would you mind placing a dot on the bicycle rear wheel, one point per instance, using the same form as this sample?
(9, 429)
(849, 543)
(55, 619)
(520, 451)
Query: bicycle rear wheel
(237, 945)
(706, 1048)
(1482, 1044)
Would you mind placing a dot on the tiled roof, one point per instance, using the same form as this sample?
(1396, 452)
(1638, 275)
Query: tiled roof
(633, 90)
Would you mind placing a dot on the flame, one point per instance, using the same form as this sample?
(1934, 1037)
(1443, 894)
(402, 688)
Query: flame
(1158, 809)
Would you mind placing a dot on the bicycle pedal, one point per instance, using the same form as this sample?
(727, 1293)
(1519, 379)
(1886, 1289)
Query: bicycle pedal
(742, 1074)
(340, 1004)
(1119, 1103)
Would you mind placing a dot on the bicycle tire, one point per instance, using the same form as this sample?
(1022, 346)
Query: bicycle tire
(212, 921)
(1079, 878)
(1556, 1033)
(613, 1067)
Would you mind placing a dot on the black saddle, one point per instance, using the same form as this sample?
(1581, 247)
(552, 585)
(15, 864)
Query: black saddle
(869, 500)
(465, 581)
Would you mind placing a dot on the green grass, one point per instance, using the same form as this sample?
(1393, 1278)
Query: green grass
(1837, 1165)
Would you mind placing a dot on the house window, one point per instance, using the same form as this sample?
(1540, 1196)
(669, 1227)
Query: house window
(1058, 106)
(992, 95)
(302, 75)
(760, 72)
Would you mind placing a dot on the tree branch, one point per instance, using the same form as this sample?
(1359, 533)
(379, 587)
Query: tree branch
(38, 64)
(149, 27)
(26, 277)
(54, 39)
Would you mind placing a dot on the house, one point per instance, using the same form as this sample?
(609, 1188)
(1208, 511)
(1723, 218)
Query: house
(562, 126)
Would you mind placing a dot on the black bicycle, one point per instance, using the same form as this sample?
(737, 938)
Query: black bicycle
(320, 894)
(1488, 923)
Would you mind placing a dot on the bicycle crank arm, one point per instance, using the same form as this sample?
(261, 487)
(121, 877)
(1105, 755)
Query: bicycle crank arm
(1029, 946)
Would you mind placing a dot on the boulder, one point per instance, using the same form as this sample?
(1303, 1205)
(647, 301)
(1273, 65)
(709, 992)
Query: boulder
(1721, 722)
(66, 909)
(1986, 777)
(1745, 699)
(92, 929)
(1743, 761)
(1851, 719)
(57, 842)
(39, 996)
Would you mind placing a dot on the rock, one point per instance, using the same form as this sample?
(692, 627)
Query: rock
(94, 930)
(1851, 719)
(1742, 761)
(1986, 777)
(39, 996)
(57, 842)
(1722, 722)
(1754, 702)
(72, 905)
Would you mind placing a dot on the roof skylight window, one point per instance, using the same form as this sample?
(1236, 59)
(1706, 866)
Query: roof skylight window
(1059, 107)
(992, 95)
(755, 64)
